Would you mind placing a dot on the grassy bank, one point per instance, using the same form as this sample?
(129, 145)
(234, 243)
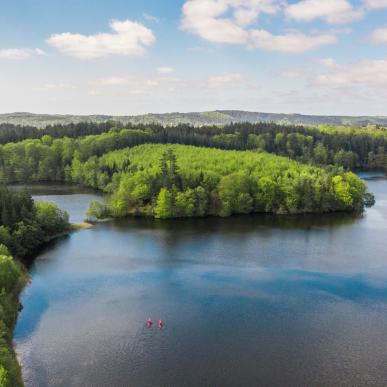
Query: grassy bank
(80, 226)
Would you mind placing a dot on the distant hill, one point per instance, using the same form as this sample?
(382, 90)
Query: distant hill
(218, 117)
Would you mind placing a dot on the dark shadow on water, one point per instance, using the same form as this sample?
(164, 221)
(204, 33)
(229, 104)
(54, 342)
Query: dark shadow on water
(51, 188)
(240, 223)
(29, 261)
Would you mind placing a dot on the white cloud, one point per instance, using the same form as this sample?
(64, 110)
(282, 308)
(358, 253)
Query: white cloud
(150, 18)
(40, 52)
(165, 70)
(152, 82)
(113, 81)
(229, 21)
(94, 92)
(293, 73)
(139, 85)
(331, 11)
(328, 62)
(379, 35)
(225, 79)
(58, 86)
(20, 53)
(293, 42)
(127, 38)
(202, 17)
(370, 73)
(375, 4)
(207, 19)
(15, 53)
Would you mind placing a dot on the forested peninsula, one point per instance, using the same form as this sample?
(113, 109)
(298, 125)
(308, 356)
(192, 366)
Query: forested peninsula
(308, 170)
(167, 181)
(25, 226)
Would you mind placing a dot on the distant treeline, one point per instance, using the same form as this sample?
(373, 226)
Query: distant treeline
(15, 133)
(347, 147)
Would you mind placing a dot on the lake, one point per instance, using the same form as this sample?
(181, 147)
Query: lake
(247, 301)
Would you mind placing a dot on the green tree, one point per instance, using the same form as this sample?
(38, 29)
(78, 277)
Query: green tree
(10, 273)
(342, 192)
(51, 218)
(164, 204)
(185, 203)
(3, 377)
(4, 250)
(234, 195)
(97, 210)
(320, 154)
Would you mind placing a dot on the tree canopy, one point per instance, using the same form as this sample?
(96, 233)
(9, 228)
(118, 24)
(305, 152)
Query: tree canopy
(180, 181)
(48, 157)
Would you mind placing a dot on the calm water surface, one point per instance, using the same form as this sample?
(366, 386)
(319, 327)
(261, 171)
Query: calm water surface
(247, 301)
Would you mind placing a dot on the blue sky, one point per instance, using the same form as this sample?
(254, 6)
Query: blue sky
(132, 57)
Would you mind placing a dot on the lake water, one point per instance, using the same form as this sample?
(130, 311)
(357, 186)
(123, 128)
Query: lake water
(247, 301)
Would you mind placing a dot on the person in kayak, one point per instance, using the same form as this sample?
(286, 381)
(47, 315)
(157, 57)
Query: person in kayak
(160, 324)
(149, 322)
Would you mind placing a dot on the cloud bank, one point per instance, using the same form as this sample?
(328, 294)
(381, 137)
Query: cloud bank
(127, 38)
(230, 22)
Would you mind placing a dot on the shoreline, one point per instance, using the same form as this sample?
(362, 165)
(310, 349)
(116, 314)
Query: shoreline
(11, 371)
(74, 227)
(14, 369)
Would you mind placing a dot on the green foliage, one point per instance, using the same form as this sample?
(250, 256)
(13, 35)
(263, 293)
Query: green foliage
(46, 159)
(51, 218)
(5, 236)
(320, 154)
(12, 278)
(234, 194)
(134, 186)
(167, 181)
(14, 207)
(24, 225)
(164, 205)
(369, 199)
(97, 210)
(4, 250)
(3, 377)
(9, 273)
(52, 157)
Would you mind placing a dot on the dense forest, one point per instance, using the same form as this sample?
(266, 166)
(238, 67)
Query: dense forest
(87, 160)
(24, 226)
(12, 278)
(168, 181)
(48, 157)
